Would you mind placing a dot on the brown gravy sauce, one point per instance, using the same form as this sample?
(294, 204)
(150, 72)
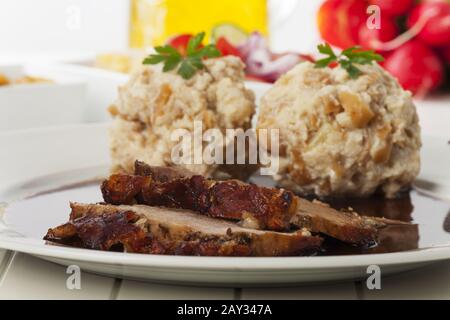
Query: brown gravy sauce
(429, 217)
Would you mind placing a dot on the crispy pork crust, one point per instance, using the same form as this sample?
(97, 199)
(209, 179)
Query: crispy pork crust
(161, 174)
(153, 230)
(102, 232)
(262, 208)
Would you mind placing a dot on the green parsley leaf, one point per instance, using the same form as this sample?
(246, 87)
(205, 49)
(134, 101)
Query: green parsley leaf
(322, 63)
(196, 62)
(188, 65)
(154, 59)
(194, 43)
(167, 51)
(187, 69)
(210, 51)
(357, 52)
(350, 51)
(347, 59)
(352, 71)
(326, 49)
(171, 63)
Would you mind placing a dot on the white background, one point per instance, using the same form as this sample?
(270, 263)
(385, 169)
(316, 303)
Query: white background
(53, 28)
(65, 28)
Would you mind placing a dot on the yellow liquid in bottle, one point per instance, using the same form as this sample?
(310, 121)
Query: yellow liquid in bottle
(155, 21)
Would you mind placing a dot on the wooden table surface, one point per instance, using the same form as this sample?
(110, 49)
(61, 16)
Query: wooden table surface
(25, 277)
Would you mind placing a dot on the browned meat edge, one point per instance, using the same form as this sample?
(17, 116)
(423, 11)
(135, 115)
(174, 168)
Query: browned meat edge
(258, 207)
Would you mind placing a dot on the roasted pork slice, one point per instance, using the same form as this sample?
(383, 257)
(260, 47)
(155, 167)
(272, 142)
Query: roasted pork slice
(145, 229)
(238, 201)
(346, 226)
(254, 206)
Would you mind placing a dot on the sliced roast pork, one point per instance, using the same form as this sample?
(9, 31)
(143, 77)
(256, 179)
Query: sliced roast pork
(254, 206)
(145, 229)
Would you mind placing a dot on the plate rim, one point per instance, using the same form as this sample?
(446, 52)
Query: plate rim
(39, 248)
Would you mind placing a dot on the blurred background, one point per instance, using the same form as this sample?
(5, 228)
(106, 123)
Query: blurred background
(98, 43)
(69, 27)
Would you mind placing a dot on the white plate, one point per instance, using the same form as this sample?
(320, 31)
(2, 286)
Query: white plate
(48, 159)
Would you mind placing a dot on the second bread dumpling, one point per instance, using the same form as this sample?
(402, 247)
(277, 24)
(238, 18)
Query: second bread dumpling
(342, 136)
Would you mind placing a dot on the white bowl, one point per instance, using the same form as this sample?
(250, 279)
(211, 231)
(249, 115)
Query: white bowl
(40, 104)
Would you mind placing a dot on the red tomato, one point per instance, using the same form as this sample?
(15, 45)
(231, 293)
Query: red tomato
(354, 15)
(327, 21)
(416, 67)
(372, 38)
(180, 42)
(445, 52)
(340, 21)
(436, 31)
(393, 7)
(226, 48)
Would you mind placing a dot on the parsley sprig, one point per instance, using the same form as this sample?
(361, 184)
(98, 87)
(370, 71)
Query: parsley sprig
(347, 58)
(187, 65)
